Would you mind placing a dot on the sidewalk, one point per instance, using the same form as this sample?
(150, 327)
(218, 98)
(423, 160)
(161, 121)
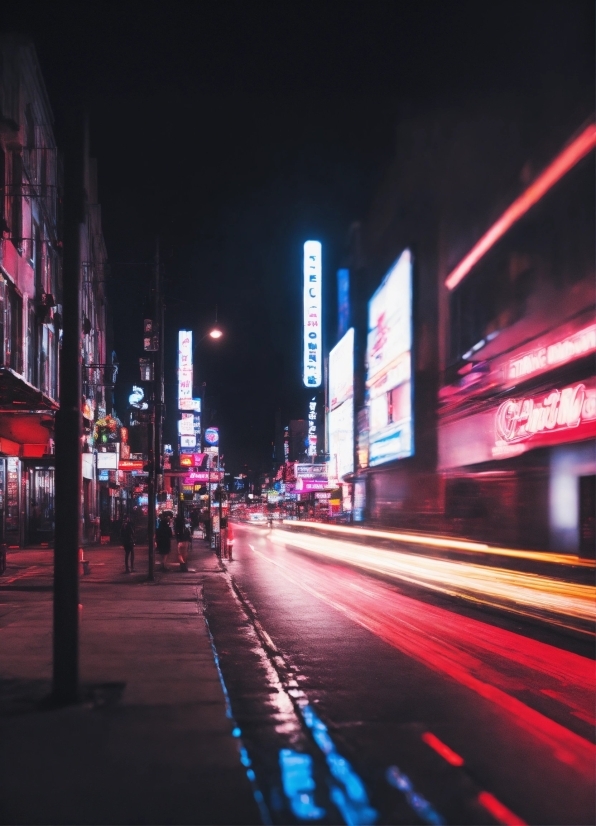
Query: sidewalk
(151, 742)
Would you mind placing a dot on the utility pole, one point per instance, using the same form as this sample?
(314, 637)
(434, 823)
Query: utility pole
(154, 422)
(159, 374)
(65, 676)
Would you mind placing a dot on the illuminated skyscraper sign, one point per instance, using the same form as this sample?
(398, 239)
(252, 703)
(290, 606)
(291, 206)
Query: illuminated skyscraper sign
(313, 351)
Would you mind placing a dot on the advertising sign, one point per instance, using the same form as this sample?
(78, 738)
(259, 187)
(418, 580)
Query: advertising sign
(341, 407)
(389, 365)
(185, 399)
(107, 461)
(313, 319)
(186, 425)
(343, 302)
(307, 471)
(341, 370)
(212, 436)
(188, 441)
(312, 427)
(341, 440)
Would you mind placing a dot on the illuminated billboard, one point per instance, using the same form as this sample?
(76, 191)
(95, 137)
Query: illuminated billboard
(312, 372)
(389, 366)
(341, 407)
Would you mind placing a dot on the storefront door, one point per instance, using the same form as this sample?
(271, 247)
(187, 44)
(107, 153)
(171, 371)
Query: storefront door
(587, 513)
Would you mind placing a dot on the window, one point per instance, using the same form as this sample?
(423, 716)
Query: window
(2, 190)
(11, 320)
(31, 346)
(16, 225)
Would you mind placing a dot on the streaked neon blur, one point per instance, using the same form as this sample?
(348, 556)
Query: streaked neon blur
(434, 541)
(494, 663)
(568, 158)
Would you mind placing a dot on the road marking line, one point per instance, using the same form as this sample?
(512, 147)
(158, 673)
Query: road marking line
(441, 748)
(499, 811)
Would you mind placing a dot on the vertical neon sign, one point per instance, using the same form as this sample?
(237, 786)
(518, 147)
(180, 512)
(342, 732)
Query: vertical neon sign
(185, 401)
(313, 351)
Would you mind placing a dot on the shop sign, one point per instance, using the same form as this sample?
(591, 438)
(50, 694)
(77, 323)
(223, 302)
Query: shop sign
(194, 476)
(130, 464)
(521, 419)
(313, 350)
(548, 356)
(212, 436)
(310, 485)
(519, 424)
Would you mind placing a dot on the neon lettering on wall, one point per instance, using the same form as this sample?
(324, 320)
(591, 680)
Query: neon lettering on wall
(520, 419)
(560, 352)
(313, 342)
(312, 427)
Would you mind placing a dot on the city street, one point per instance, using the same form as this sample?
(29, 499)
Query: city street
(443, 712)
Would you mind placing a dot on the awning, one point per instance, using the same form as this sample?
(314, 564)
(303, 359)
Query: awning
(17, 394)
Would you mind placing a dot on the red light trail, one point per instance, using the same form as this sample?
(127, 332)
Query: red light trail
(492, 662)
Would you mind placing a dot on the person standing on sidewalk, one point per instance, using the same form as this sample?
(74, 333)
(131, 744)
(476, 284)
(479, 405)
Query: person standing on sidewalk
(230, 540)
(127, 535)
(163, 537)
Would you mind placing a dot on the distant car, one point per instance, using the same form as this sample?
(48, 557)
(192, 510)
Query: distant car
(258, 517)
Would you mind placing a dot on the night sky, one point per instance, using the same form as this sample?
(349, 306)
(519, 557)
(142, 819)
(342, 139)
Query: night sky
(236, 131)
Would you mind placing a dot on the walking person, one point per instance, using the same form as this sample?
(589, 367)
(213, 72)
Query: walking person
(127, 534)
(163, 538)
(184, 548)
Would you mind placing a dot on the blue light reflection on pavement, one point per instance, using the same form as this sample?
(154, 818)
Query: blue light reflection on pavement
(419, 804)
(352, 801)
(299, 784)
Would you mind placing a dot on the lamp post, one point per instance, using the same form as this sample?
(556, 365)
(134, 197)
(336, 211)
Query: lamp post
(214, 333)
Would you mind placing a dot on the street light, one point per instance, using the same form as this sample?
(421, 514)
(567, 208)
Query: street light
(215, 333)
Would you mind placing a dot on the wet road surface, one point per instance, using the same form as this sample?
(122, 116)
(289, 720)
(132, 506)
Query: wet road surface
(361, 701)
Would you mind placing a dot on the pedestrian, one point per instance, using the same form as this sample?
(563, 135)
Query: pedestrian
(184, 547)
(163, 537)
(230, 540)
(127, 534)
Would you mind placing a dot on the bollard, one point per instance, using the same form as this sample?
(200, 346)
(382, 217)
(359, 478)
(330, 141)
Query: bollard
(84, 562)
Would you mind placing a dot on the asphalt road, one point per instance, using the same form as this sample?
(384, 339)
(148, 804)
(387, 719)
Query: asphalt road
(363, 699)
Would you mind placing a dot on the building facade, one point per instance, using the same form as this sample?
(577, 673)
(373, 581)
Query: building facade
(517, 405)
(30, 288)
(479, 418)
(31, 309)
